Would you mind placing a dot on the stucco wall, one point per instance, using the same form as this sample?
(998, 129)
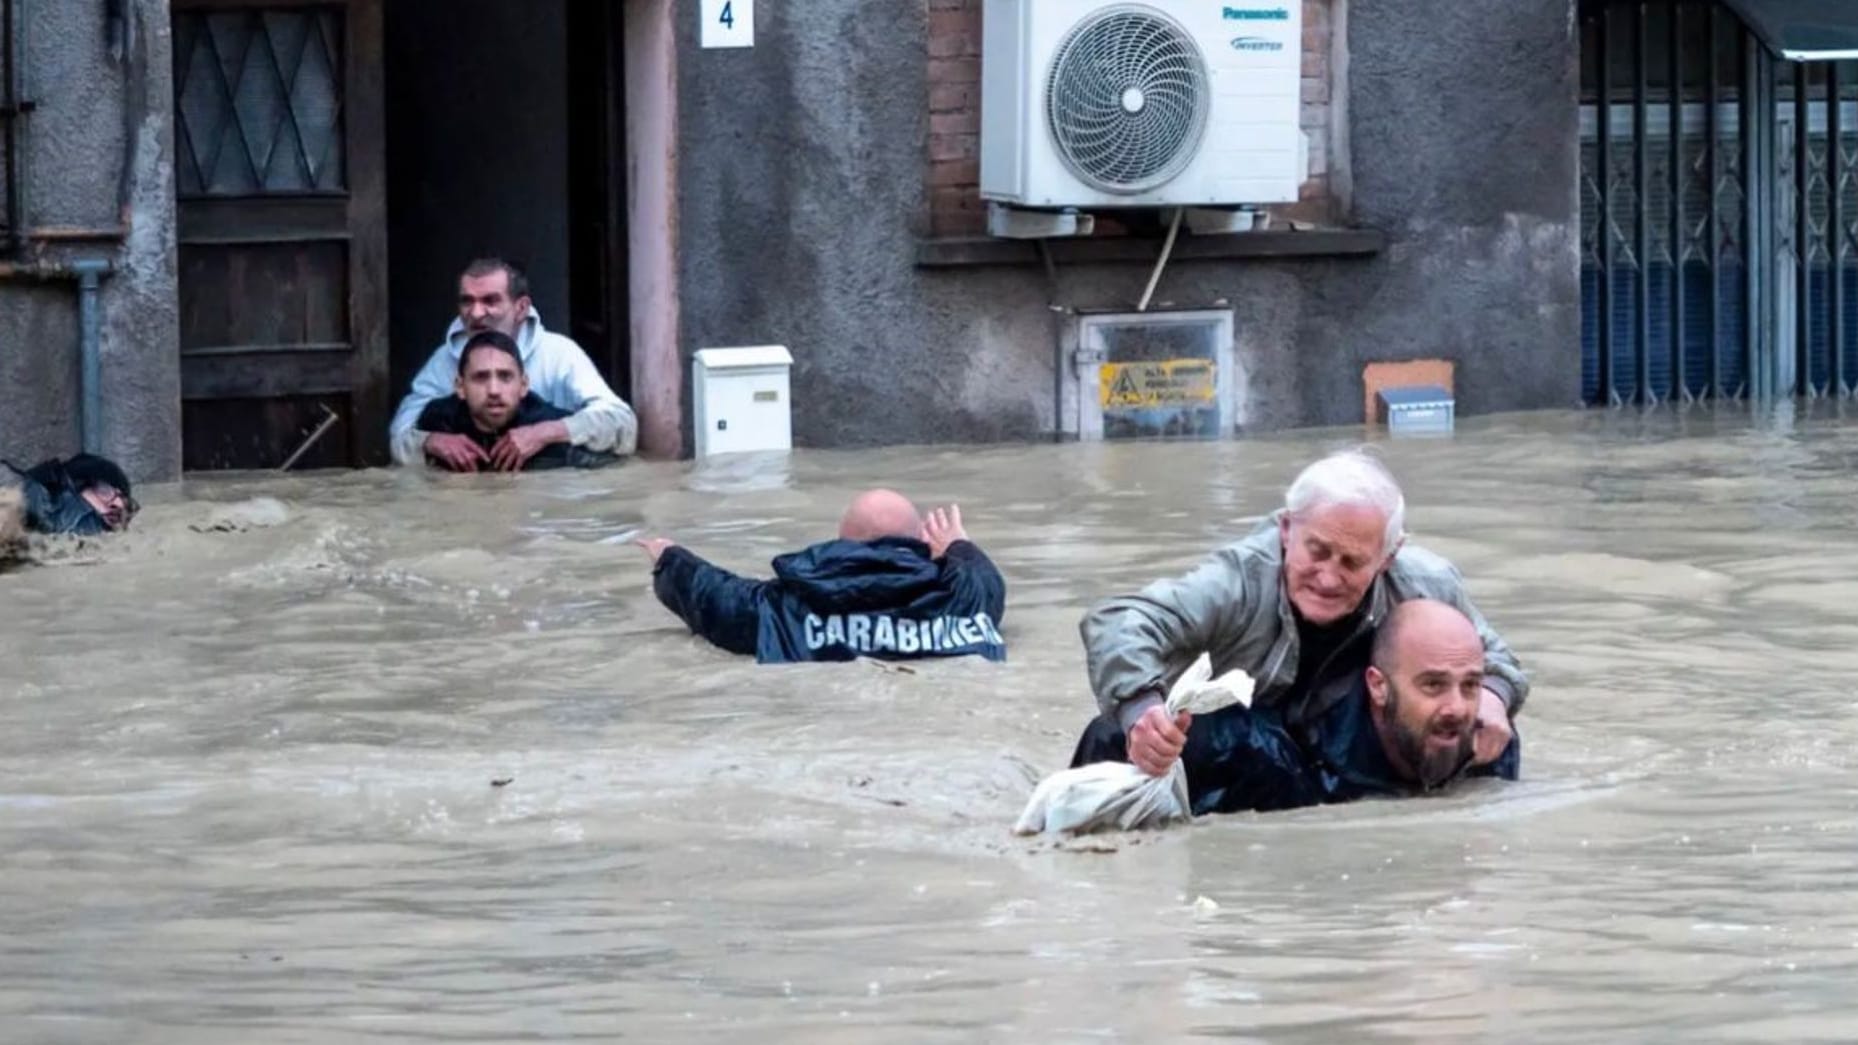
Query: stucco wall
(802, 201)
(95, 113)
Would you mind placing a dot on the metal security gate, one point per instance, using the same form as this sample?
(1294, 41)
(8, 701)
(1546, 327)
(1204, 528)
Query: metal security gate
(1718, 262)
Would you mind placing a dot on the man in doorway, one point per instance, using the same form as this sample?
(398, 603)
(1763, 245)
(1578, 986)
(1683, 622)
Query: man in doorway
(893, 585)
(493, 399)
(1316, 576)
(494, 295)
(1404, 726)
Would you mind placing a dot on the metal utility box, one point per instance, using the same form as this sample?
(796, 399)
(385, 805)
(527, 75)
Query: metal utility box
(1418, 410)
(1147, 375)
(741, 399)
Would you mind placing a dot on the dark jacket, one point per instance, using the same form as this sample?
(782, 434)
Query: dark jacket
(1252, 761)
(53, 491)
(840, 600)
(1260, 758)
(452, 415)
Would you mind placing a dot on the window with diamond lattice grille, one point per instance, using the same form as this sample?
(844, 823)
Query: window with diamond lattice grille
(259, 102)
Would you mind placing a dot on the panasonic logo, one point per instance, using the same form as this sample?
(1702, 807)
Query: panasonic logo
(1256, 14)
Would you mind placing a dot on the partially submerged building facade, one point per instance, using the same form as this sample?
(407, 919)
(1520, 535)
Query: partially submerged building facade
(228, 221)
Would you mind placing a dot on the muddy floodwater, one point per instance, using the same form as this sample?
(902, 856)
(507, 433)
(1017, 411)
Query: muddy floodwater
(250, 758)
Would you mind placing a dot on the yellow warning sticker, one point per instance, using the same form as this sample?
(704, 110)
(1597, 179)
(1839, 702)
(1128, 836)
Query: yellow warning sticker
(1168, 382)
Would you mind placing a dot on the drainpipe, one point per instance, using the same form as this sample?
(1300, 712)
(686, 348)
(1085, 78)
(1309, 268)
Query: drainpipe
(1059, 313)
(13, 108)
(89, 274)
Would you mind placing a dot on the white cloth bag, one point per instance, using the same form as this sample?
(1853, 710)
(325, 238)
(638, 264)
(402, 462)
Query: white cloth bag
(1117, 795)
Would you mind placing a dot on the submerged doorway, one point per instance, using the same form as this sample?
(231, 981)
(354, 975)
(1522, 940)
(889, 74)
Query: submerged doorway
(506, 137)
(338, 163)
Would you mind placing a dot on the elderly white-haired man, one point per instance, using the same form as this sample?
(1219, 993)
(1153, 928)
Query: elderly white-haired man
(1295, 605)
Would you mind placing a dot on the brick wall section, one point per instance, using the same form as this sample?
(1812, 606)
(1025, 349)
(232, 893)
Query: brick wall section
(953, 155)
(955, 207)
(1314, 206)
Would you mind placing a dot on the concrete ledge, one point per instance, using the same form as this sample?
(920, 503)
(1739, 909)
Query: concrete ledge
(1270, 243)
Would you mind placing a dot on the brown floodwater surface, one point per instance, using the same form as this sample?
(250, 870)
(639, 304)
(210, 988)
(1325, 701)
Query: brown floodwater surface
(249, 753)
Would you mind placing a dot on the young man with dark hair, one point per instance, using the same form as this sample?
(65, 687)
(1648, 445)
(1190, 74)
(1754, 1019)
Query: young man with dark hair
(493, 295)
(490, 398)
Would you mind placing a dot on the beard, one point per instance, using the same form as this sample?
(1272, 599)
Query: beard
(1432, 765)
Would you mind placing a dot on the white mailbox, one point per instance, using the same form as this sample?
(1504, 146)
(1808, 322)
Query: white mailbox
(741, 399)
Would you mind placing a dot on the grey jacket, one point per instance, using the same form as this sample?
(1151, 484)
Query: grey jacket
(1233, 606)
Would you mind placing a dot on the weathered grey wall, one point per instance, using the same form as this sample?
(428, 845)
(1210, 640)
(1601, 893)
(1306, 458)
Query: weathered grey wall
(477, 158)
(801, 185)
(1465, 133)
(95, 114)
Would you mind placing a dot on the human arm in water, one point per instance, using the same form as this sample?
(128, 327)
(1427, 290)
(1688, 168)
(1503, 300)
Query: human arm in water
(716, 604)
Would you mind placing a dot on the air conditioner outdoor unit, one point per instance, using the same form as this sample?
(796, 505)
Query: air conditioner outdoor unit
(1162, 103)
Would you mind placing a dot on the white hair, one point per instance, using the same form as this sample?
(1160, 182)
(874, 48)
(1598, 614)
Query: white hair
(1354, 478)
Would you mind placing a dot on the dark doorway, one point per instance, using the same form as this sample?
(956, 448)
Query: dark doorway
(598, 289)
(502, 123)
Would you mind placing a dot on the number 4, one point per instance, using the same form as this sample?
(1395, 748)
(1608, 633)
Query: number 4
(728, 15)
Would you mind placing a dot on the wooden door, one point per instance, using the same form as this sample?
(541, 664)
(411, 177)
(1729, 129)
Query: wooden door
(280, 174)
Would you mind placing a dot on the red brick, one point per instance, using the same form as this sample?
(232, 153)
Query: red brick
(954, 97)
(953, 169)
(954, 146)
(1315, 89)
(954, 71)
(954, 172)
(965, 21)
(955, 122)
(954, 45)
(949, 199)
(966, 216)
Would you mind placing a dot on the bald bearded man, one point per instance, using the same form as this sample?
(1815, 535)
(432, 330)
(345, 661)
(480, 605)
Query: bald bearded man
(893, 585)
(1405, 726)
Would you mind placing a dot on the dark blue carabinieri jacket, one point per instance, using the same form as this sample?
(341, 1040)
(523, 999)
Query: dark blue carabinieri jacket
(840, 600)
